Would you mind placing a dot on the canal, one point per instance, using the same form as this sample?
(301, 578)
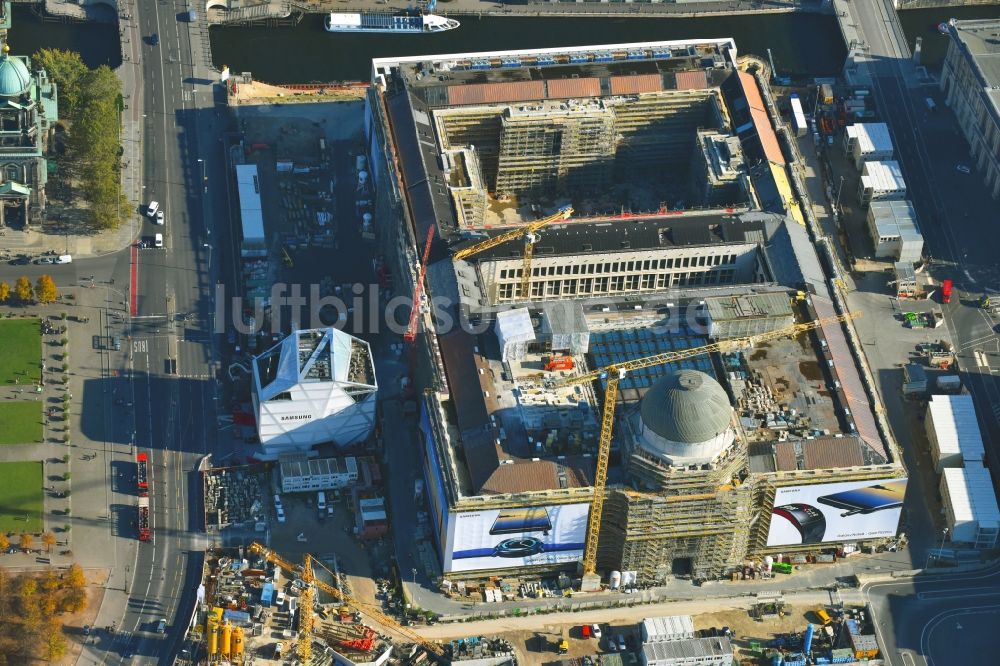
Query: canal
(800, 43)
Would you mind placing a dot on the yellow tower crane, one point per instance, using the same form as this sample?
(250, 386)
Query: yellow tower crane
(530, 238)
(614, 373)
(305, 572)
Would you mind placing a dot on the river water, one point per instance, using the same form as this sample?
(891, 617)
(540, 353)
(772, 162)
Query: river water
(800, 43)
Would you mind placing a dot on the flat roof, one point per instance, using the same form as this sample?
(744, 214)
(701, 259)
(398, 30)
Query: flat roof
(871, 137)
(251, 214)
(971, 494)
(955, 425)
(978, 40)
(691, 648)
(883, 176)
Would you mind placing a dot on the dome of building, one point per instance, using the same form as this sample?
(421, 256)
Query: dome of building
(685, 418)
(14, 75)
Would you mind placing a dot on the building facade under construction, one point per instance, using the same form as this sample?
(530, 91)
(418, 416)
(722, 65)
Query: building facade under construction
(682, 233)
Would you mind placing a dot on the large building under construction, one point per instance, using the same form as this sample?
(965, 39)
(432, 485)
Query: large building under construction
(685, 230)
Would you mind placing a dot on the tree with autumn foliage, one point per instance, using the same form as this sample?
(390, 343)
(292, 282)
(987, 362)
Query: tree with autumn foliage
(4, 292)
(45, 289)
(4, 541)
(49, 539)
(23, 290)
(26, 540)
(30, 609)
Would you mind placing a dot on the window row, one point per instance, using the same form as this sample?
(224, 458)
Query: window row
(618, 284)
(622, 266)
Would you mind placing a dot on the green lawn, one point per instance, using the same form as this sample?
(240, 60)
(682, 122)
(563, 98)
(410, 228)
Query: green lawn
(21, 497)
(22, 423)
(21, 351)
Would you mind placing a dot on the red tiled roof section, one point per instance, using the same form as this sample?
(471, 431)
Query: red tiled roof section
(641, 83)
(761, 119)
(832, 453)
(489, 93)
(784, 456)
(566, 88)
(694, 80)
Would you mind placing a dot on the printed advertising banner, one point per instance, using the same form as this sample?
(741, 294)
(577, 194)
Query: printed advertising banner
(836, 512)
(507, 538)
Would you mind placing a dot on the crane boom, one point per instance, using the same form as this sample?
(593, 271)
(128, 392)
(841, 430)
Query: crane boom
(721, 345)
(490, 243)
(364, 608)
(411, 328)
(614, 373)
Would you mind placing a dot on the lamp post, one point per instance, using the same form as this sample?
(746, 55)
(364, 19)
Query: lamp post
(204, 177)
(944, 533)
(208, 246)
(840, 188)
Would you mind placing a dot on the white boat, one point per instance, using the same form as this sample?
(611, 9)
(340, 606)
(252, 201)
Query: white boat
(387, 22)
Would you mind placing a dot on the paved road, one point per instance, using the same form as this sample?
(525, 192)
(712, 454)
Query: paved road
(937, 620)
(955, 212)
(174, 409)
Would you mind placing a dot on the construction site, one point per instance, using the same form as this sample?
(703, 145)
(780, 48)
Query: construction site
(649, 371)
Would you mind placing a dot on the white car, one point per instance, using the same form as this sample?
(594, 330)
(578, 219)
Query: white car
(153, 207)
(962, 168)
(596, 631)
(159, 217)
(64, 259)
(280, 513)
(158, 241)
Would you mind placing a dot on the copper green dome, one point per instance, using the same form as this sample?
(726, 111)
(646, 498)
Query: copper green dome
(14, 75)
(687, 407)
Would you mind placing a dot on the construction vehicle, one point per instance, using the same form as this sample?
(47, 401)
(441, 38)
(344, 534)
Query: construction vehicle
(530, 238)
(305, 573)
(559, 362)
(613, 374)
(142, 474)
(418, 288)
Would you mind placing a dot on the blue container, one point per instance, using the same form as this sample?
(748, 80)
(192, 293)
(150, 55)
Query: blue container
(267, 594)
(603, 57)
(636, 55)
(545, 60)
(807, 641)
(577, 59)
(661, 54)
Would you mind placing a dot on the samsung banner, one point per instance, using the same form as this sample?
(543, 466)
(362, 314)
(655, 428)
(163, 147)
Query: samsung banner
(507, 538)
(836, 512)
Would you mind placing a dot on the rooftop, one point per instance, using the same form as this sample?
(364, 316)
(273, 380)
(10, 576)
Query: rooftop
(970, 490)
(883, 176)
(955, 425)
(895, 219)
(691, 648)
(981, 41)
(871, 137)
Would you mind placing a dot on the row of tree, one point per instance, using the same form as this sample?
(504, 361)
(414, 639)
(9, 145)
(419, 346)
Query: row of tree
(30, 606)
(44, 291)
(26, 540)
(90, 103)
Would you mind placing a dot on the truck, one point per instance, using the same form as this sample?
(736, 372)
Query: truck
(798, 116)
(145, 532)
(142, 474)
(946, 288)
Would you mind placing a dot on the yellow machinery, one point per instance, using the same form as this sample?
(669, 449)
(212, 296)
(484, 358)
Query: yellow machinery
(227, 640)
(613, 374)
(236, 655)
(212, 631)
(528, 233)
(306, 601)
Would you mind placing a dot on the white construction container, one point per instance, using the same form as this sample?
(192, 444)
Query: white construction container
(953, 431)
(667, 628)
(970, 506)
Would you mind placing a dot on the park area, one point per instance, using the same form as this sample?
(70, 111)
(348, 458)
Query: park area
(21, 352)
(21, 497)
(20, 371)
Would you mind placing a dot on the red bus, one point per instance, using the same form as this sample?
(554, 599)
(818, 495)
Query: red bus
(142, 474)
(946, 287)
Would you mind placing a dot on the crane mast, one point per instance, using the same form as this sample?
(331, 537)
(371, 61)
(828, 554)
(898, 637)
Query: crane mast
(530, 238)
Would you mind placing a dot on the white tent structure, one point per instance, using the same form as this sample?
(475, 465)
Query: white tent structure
(514, 332)
(315, 386)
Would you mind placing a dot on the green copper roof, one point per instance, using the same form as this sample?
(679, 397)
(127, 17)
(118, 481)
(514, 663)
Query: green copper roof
(14, 76)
